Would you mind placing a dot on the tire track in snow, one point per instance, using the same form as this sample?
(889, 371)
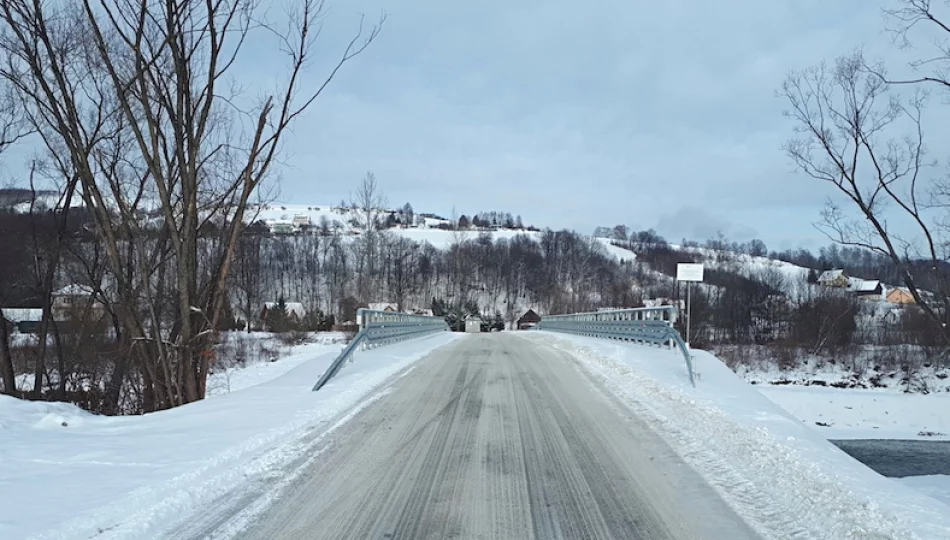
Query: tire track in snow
(494, 437)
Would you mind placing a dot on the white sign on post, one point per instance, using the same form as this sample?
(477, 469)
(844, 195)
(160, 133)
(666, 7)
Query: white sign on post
(689, 272)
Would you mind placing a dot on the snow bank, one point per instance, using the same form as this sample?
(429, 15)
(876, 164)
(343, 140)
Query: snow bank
(937, 485)
(134, 477)
(236, 377)
(787, 480)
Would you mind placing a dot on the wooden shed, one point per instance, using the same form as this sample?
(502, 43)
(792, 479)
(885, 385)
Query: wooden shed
(528, 320)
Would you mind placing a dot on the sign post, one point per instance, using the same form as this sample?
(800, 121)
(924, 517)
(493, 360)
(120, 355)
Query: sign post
(689, 273)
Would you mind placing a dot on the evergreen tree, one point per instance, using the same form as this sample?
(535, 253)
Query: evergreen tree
(277, 319)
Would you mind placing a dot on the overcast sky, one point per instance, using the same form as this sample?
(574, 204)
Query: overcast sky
(575, 114)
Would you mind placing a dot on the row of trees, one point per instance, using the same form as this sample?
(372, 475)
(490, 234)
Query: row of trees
(553, 272)
(560, 271)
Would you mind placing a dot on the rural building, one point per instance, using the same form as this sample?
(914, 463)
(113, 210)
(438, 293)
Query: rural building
(473, 324)
(73, 301)
(282, 227)
(383, 306)
(900, 296)
(22, 320)
(834, 278)
(529, 320)
(866, 288)
(301, 222)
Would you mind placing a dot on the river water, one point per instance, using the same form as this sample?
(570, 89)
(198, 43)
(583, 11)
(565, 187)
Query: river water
(899, 458)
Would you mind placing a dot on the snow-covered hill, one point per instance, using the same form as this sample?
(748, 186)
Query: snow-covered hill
(289, 218)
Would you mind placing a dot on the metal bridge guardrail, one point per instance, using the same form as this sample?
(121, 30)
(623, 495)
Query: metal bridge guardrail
(378, 328)
(642, 325)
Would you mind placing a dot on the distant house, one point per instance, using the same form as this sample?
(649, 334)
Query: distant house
(900, 295)
(834, 278)
(662, 302)
(473, 324)
(867, 288)
(282, 227)
(295, 310)
(529, 320)
(383, 306)
(76, 301)
(22, 320)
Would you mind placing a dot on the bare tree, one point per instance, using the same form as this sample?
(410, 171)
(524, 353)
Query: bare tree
(402, 280)
(370, 202)
(12, 128)
(857, 136)
(133, 95)
(922, 16)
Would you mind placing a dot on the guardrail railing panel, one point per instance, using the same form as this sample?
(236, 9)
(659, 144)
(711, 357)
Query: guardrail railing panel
(652, 326)
(378, 328)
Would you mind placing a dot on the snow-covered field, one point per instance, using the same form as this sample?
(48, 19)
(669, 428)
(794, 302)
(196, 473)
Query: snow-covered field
(66, 474)
(772, 468)
(443, 239)
(865, 414)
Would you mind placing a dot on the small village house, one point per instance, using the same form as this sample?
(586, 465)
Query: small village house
(473, 324)
(900, 295)
(301, 222)
(74, 301)
(530, 319)
(22, 320)
(869, 289)
(834, 278)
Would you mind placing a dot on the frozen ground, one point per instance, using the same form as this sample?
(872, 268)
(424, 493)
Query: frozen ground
(768, 465)
(66, 474)
(936, 485)
(865, 414)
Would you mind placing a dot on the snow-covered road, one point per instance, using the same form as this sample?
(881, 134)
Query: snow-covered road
(530, 432)
(494, 436)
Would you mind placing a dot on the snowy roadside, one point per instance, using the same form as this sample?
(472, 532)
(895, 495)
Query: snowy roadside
(783, 477)
(235, 376)
(69, 475)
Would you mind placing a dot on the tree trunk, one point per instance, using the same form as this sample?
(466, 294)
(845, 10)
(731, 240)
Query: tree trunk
(7, 374)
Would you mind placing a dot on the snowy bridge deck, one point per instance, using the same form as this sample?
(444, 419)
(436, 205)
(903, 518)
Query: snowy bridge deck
(496, 436)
